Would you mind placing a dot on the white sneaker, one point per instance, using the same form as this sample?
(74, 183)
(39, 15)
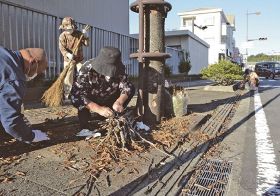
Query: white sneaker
(88, 133)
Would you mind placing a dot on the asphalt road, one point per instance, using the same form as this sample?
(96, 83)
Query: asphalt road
(260, 172)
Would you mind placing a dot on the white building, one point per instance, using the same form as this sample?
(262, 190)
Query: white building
(96, 13)
(177, 43)
(214, 27)
(187, 42)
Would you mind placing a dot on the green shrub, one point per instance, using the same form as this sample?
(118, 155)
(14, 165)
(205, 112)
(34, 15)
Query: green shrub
(185, 65)
(224, 72)
(167, 71)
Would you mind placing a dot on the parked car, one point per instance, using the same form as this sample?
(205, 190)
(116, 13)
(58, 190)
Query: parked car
(268, 69)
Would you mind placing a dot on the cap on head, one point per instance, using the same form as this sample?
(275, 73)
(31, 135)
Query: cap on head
(35, 54)
(68, 23)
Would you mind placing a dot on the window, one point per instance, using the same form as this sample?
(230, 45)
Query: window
(178, 47)
(265, 66)
(187, 22)
(270, 66)
(277, 66)
(209, 21)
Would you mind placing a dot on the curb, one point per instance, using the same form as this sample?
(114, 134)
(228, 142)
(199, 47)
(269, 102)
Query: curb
(219, 88)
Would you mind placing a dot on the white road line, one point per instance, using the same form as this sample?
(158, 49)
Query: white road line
(267, 172)
(269, 86)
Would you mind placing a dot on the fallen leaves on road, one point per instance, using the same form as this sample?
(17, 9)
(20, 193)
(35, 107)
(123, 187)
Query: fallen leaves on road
(6, 179)
(169, 131)
(109, 155)
(20, 173)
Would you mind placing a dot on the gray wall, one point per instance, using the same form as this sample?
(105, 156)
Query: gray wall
(198, 51)
(198, 55)
(105, 14)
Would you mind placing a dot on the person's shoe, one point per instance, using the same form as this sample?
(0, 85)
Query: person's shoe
(88, 133)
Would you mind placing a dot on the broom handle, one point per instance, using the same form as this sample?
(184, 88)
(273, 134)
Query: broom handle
(77, 46)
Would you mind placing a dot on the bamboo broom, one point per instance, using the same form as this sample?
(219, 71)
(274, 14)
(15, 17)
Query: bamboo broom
(53, 97)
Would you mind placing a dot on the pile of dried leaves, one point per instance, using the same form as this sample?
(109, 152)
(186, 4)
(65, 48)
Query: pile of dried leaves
(170, 130)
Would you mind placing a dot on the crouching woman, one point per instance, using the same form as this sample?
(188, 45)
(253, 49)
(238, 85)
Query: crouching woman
(101, 86)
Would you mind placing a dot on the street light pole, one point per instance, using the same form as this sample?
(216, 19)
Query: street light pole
(247, 35)
(247, 27)
(247, 14)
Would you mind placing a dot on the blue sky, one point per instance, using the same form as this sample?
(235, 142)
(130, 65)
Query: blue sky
(265, 25)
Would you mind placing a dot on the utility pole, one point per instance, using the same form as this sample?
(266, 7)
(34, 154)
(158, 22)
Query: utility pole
(247, 28)
(151, 57)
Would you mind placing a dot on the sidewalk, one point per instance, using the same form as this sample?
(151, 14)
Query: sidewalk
(58, 167)
(194, 83)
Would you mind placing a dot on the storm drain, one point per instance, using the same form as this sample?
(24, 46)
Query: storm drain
(211, 178)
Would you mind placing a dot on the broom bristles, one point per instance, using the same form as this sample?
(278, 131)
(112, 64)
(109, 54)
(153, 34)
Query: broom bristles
(53, 97)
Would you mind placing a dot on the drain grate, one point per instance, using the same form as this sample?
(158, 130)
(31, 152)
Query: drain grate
(210, 179)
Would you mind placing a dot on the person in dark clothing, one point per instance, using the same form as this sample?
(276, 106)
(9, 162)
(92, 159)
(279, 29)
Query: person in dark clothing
(101, 87)
(17, 67)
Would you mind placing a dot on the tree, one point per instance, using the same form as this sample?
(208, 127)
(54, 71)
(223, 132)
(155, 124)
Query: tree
(185, 65)
(262, 57)
(224, 72)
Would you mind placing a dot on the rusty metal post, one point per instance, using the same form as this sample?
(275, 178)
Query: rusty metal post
(151, 57)
(146, 62)
(140, 101)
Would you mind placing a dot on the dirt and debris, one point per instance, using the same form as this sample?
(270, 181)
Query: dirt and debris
(79, 162)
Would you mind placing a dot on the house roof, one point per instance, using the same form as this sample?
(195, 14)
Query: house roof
(203, 9)
(177, 33)
(231, 19)
(185, 33)
(198, 11)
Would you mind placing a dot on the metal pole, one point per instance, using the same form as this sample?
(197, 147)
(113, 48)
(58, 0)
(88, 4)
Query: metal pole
(151, 57)
(140, 102)
(247, 35)
(193, 25)
(247, 25)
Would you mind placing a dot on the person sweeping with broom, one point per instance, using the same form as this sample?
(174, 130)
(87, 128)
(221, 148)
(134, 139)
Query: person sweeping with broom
(71, 43)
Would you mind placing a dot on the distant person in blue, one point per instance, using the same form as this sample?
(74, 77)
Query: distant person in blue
(17, 67)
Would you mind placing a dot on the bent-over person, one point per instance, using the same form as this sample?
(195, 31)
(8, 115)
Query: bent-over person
(101, 87)
(16, 68)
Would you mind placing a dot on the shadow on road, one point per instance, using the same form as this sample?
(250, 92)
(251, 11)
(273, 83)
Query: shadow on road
(59, 131)
(207, 107)
(156, 174)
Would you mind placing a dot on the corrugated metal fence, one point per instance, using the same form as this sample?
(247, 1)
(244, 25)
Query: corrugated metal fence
(23, 27)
